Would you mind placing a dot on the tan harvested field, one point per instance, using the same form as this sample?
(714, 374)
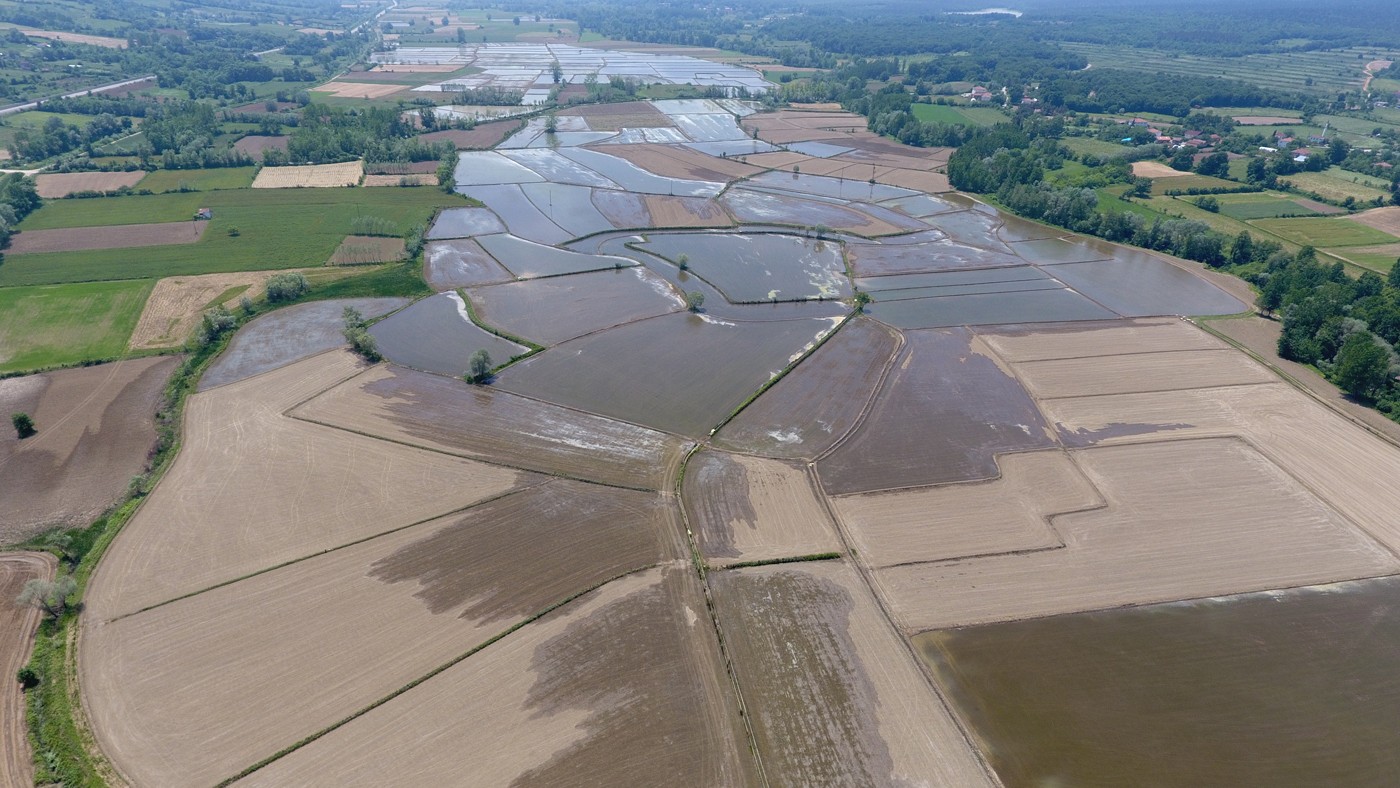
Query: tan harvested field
(362, 249)
(484, 570)
(1155, 169)
(119, 236)
(19, 625)
(685, 212)
(364, 90)
(254, 144)
(1185, 519)
(1168, 370)
(95, 425)
(1010, 514)
(784, 136)
(750, 509)
(932, 182)
(569, 699)
(439, 413)
(410, 179)
(1077, 340)
(310, 176)
(882, 158)
(833, 694)
(107, 42)
(1387, 220)
(676, 161)
(61, 184)
(625, 115)
(176, 303)
(253, 488)
(779, 160)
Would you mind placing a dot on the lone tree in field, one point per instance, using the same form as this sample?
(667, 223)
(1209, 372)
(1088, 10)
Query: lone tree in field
(479, 367)
(24, 425)
(49, 596)
(694, 300)
(683, 261)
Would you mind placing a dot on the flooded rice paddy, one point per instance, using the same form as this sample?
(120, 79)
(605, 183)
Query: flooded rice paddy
(758, 267)
(437, 335)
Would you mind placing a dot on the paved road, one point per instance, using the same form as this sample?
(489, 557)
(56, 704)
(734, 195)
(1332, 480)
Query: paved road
(13, 108)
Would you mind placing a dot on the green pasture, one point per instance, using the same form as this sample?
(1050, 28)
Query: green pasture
(1264, 209)
(1184, 183)
(963, 116)
(54, 325)
(1317, 71)
(1094, 147)
(198, 180)
(1337, 185)
(1324, 231)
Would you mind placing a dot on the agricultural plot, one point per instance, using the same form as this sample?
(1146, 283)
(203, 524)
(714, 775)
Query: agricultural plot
(1325, 231)
(440, 414)
(55, 325)
(448, 265)
(61, 184)
(368, 249)
(464, 223)
(19, 625)
(254, 145)
(437, 335)
(95, 428)
(411, 179)
(314, 176)
(1386, 220)
(1336, 184)
(746, 509)
(552, 310)
(176, 303)
(207, 180)
(758, 267)
(528, 260)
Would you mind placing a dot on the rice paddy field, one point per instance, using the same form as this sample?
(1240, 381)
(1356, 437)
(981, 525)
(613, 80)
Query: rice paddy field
(1017, 521)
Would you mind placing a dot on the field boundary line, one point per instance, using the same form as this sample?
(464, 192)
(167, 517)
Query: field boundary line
(337, 548)
(427, 676)
(1160, 391)
(875, 391)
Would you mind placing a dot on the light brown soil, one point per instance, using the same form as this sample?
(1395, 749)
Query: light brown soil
(253, 488)
(932, 182)
(685, 212)
(626, 115)
(1155, 169)
(309, 176)
(411, 179)
(19, 625)
(779, 159)
(569, 699)
(1010, 514)
(62, 184)
(254, 145)
(482, 137)
(676, 161)
(77, 38)
(361, 249)
(1152, 335)
(365, 90)
(120, 236)
(905, 160)
(1185, 519)
(1387, 220)
(751, 509)
(95, 428)
(434, 590)
(444, 415)
(1121, 374)
(834, 696)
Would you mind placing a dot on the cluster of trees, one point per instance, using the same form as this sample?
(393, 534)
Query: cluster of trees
(55, 137)
(18, 199)
(379, 134)
(1347, 327)
(1118, 90)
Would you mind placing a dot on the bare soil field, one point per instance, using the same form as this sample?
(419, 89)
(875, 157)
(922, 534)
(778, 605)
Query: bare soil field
(944, 413)
(364, 90)
(310, 176)
(19, 625)
(1224, 519)
(95, 425)
(176, 303)
(120, 236)
(1387, 220)
(1077, 340)
(570, 700)
(409, 179)
(1155, 169)
(441, 414)
(625, 115)
(483, 570)
(778, 160)
(287, 335)
(1013, 513)
(751, 509)
(669, 211)
(107, 42)
(833, 694)
(676, 161)
(460, 263)
(363, 249)
(61, 184)
(481, 137)
(253, 488)
(254, 145)
(820, 400)
(931, 182)
(1166, 370)
(880, 157)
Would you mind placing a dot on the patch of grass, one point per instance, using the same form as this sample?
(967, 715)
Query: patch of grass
(198, 180)
(1324, 231)
(57, 325)
(1184, 183)
(224, 297)
(964, 116)
(1093, 147)
(277, 228)
(1336, 186)
(398, 279)
(1263, 209)
(1185, 208)
(1381, 263)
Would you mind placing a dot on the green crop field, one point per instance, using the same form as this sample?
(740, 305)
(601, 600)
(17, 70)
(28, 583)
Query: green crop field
(276, 228)
(1329, 71)
(1093, 147)
(1324, 231)
(1264, 209)
(198, 180)
(65, 324)
(1184, 183)
(964, 116)
(1185, 208)
(1381, 263)
(1337, 184)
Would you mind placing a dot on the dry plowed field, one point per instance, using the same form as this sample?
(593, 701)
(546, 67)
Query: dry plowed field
(254, 145)
(360, 90)
(175, 305)
(117, 237)
(95, 425)
(434, 412)
(321, 176)
(751, 509)
(1387, 220)
(668, 211)
(481, 137)
(1155, 169)
(19, 625)
(61, 184)
(676, 161)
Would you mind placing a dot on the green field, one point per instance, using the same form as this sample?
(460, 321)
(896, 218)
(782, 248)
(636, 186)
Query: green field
(65, 324)
(277, 228)
(1092, 147)
(1329, 71)
(1264, 209)
(963, 116)
(1324, 231)
(1185, 208)
(1184, 183)
(1337, 184)
(1379, 262)
(34, 120)
(198, 180)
